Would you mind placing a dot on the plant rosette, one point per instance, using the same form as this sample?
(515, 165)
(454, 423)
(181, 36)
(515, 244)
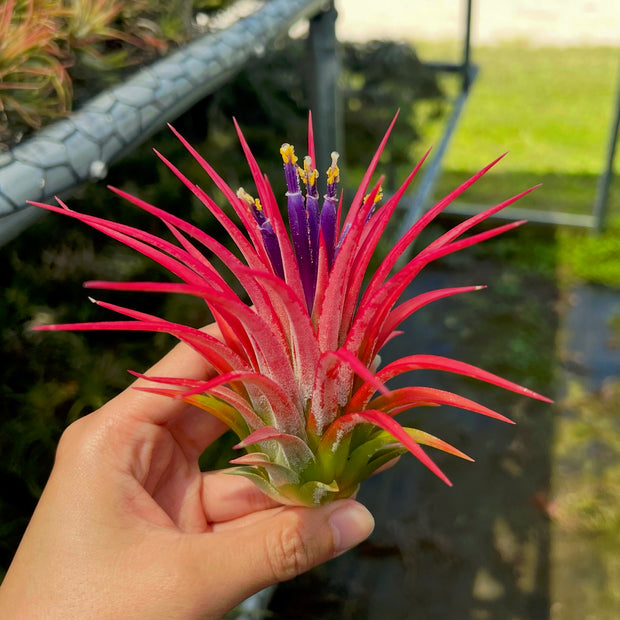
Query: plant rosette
(296, 367)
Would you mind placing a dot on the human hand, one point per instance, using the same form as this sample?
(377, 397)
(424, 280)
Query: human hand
(128, 526)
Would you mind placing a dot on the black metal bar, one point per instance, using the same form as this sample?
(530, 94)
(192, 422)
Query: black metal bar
(468, 72)
(324, 97)
(446, 67)
(601, 200)
(467, 47)
(415, 208)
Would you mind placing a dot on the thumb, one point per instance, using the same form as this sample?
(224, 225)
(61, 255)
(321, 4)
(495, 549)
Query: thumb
(277, 548)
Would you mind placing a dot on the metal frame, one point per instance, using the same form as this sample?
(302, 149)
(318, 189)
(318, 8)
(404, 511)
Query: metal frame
(78, 149)
(325, 101)
(415, 206)
(468, 72)
(602, 191)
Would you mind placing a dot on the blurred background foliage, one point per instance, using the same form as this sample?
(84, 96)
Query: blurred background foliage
(51, 379)
(54, 54)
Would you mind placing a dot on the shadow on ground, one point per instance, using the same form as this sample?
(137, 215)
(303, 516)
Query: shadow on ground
(572, 193)
(480, 549)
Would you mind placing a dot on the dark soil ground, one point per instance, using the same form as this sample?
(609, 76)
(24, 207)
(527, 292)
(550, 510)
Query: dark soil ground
(508, 541)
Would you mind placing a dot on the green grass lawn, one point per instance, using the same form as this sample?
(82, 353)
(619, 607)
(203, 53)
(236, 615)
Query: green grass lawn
(550, 108)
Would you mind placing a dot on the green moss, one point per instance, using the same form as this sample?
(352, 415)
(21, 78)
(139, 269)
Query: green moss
(592, 258)
(585, 506)
(588, 465)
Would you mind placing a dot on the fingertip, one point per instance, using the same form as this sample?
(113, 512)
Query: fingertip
(351, 523)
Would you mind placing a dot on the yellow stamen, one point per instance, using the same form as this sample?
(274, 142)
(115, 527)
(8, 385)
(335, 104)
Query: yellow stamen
(333, 173)
(378, 196)
(308, 175)
(248, 199)
(288, 153)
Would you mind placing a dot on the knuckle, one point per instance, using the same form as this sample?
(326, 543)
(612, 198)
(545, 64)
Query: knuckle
(75, 439)
(70, 439)
(287, 551)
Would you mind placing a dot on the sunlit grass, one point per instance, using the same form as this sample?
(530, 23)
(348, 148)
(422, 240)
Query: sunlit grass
(549, 107)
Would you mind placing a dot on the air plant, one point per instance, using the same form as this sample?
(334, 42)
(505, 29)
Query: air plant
(90, 24)
(34, 82)
(50, 50)
(296, 369)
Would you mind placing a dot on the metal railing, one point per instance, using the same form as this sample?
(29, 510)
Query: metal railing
(78, 149)
(468, 72)
(413, 206)
(601, 200)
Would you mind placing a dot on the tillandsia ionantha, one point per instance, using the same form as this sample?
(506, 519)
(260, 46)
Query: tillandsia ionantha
(296, 367)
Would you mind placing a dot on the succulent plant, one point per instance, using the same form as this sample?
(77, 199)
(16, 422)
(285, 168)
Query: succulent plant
(34, 82)
(297, 373)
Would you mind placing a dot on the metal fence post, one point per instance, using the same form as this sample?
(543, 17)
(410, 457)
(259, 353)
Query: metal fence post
(599, 210)
(77, 149)
(324, 97)
(467, 47)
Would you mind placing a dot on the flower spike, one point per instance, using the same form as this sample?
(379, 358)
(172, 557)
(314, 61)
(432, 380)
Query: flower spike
(329, 212)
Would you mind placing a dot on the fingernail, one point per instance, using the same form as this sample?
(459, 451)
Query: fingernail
(350, 524)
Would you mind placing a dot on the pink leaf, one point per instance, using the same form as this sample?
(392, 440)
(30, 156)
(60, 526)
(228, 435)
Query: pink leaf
(376, 338)
(408, 397)
(329, 391)
(311, 152)
(112, 229)
(361, 370)
(347, 422)
(304, 347)
(215, 352)
(396, 252)
(459, 229)
(297, 451)
(363, 187)
(240, 208)
(330, 327)
(291, 270)
(435, 362)
(373, 312)
(374, 229)
(225, 255)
